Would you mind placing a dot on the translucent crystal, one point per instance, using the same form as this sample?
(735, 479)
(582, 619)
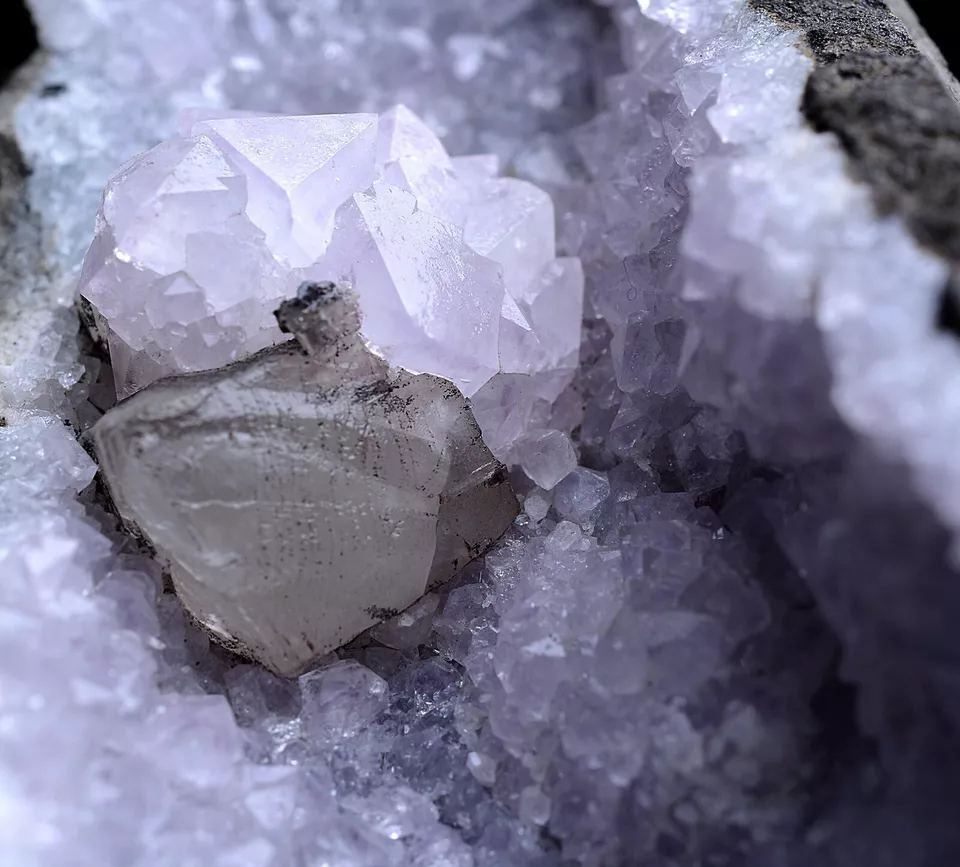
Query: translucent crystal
(298, 171)
(411, 628)
(319, 495)
(547, 458)
(341, 700)
(578, 497)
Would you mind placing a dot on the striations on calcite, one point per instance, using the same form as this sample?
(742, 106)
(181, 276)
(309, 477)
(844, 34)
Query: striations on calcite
(297, 496)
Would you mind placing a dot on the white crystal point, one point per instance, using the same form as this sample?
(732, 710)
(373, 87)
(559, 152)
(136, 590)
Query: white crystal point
(299, 170)
(412, 158)
(512, 222)
(299, 500)
(547, 458)
(540, 329)
(476, 167)
(403, 136)
(152, 206)
(189, 118)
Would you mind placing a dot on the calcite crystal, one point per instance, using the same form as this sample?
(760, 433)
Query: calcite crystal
(301, 498)
(455, 268)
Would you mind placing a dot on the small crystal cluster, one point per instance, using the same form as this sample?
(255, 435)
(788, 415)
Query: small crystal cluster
(455, 268)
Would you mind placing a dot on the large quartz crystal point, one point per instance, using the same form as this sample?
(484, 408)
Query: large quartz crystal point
(304, 494)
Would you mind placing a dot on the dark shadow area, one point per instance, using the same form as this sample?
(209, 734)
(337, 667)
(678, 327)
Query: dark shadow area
(948, 313)
(939, 20)
(19, 38)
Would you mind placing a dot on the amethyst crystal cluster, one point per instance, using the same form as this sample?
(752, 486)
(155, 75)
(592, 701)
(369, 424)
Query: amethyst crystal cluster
(720, 630)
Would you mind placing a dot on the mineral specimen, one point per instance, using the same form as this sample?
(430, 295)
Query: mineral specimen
(299, 499)
(728, 638)
(455, 268)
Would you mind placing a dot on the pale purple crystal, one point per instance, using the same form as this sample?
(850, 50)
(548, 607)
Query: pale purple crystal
(455, 268)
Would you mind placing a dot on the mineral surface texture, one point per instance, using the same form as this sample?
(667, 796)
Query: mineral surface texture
(455, 268)
(299, 499)
(722, 629)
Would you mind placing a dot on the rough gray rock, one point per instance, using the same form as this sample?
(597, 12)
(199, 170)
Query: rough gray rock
(836, 27)
(888, 105)
(901, 129)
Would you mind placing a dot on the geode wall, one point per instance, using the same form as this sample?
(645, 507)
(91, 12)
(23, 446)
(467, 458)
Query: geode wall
(725, 638)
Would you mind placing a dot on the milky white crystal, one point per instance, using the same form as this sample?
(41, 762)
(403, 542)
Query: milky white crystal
(200, 238)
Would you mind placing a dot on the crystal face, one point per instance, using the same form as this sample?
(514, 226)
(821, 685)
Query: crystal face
(455, 268)
(300, 498)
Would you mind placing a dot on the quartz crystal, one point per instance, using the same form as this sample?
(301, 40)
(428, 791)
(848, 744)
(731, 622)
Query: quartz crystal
(455, 267)
(299, 499)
